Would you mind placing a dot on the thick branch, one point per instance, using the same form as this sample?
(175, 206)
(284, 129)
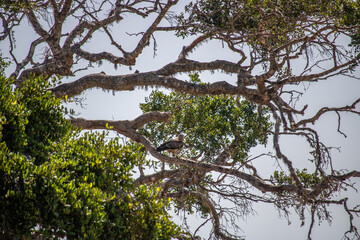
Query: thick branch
(93, 57)
(129, 82)
(187, 65)
(123, 127)
(35, 23)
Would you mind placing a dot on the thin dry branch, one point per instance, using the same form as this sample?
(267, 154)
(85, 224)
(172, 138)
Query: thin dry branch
(205, 200)
(348, 108)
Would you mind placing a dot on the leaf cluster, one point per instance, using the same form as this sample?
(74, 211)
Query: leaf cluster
(210, 123)
(13, 6)
(309, 180)
(57, 182)
(278, 21)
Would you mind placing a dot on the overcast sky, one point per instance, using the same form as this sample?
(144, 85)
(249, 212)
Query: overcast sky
(266, 224)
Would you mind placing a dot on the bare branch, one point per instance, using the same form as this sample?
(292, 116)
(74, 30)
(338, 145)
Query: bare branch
(323, 110)
(219, 233)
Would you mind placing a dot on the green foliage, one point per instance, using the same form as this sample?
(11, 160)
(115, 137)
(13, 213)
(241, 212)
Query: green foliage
(58, 182)
(31, 118)
(142, 217)
(191, 205)
(355, 42)
(280, 20)
(309, 180)
(210, 123)
(12, 6)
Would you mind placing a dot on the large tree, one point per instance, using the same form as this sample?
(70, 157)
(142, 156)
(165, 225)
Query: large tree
(278, 45)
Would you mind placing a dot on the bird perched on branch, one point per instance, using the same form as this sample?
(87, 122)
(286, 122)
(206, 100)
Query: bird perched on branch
(173, 146)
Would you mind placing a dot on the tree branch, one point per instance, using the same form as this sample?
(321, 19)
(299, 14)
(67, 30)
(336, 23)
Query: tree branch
(155, 177)
(208, 203)
(129, 82)
(348, 108)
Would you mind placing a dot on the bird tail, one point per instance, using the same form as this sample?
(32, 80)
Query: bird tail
(159, 149)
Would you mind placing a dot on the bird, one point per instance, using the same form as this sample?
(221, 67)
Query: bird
(173, 146)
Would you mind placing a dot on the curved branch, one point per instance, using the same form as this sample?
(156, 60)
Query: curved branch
(35, 23)
(124, 126)
(346, 176)
(187, 65)
(311, 77)
(280, 155)
(208, 167)
(59, 18)
(146, 37)
(93, 57)
(188, 49)
(28, 58)
(208, 203)
(129, 82)
(92, 26)
(323, 110)
(9, 21)
(150, 117)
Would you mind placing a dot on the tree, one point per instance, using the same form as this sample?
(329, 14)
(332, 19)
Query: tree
(55, 182)
(279, 45)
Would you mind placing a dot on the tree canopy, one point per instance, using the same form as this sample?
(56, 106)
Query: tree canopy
(85, 180)
(57, 183)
